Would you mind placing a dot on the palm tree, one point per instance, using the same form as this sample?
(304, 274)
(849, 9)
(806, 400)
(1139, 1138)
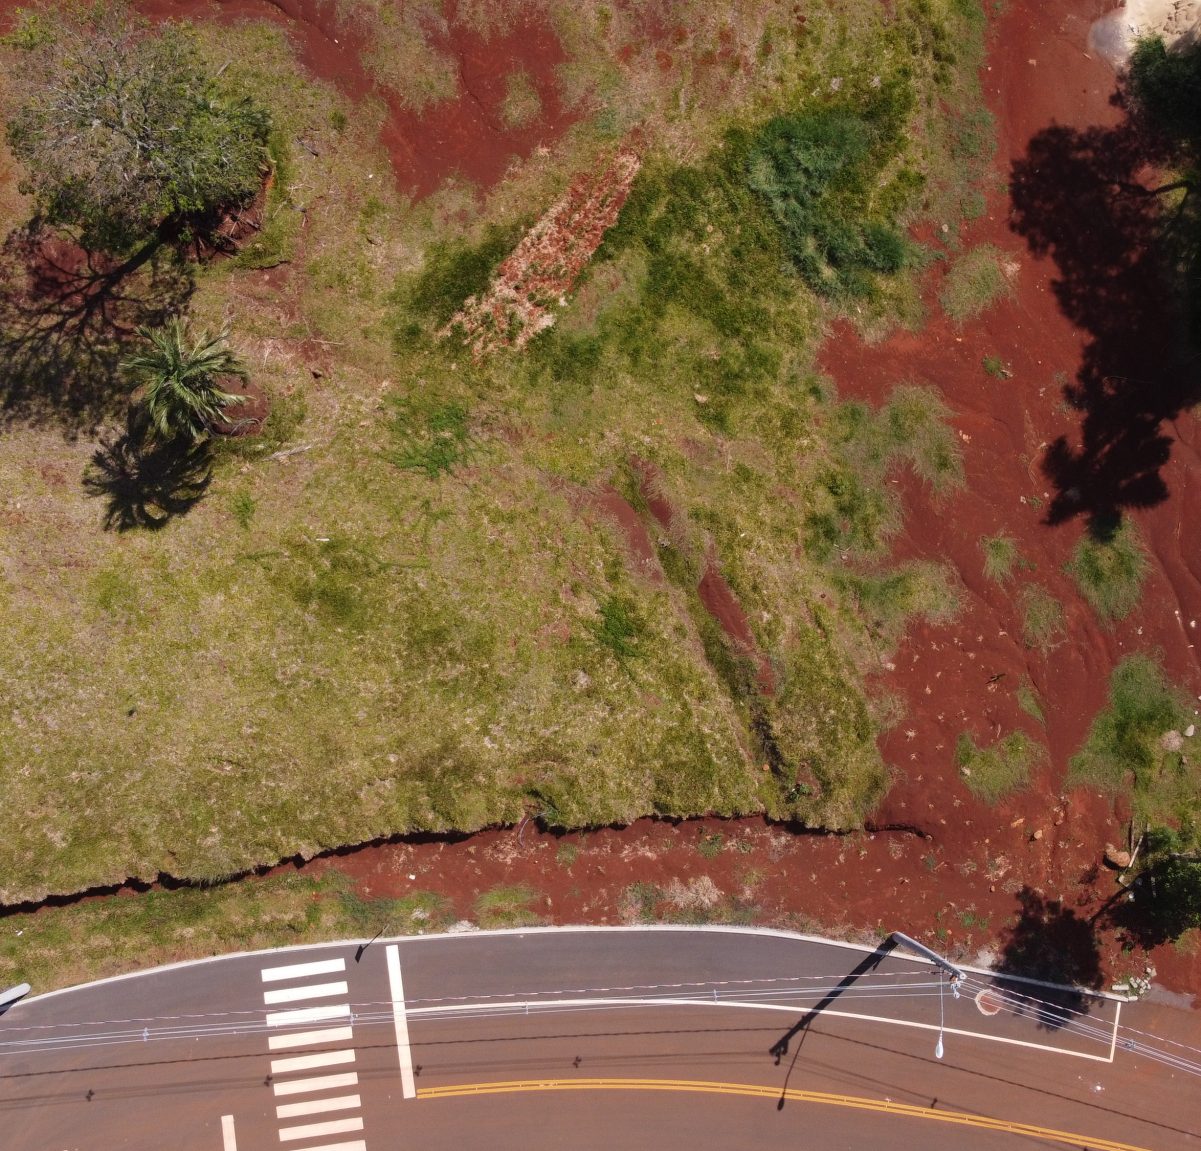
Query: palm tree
(181, 379)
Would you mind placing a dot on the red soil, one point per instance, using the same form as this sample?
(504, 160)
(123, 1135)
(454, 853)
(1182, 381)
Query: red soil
(464, 137)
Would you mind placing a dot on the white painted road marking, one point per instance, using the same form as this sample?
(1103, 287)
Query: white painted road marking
(356, 1145)
(312, 1130)
(309, 1038)
(303, 970)
(227, 1133)
(407, 1087)
(319, 1083)
(308, 1015)
(317, 1106)
(304, 1062)
(312, 991)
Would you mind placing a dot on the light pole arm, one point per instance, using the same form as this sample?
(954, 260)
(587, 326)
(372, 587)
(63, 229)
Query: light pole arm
(903, 940)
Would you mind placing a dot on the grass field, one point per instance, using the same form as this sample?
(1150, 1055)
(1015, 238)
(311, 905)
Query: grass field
(392, 611)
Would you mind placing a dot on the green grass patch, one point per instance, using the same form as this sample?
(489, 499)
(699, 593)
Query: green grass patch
(1043, 620)
(1110, 572)
(996, 367)
(507, 906)
(432, 438)
(1000, 557)
(998, 770)
(1135, 747)
(975, 282)
(1029, 702)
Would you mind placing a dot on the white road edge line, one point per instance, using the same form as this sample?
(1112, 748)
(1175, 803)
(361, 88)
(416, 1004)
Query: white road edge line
(303, 970)
(590, 1004)
(227, 1133)
(407, 1087)
(356, 1145)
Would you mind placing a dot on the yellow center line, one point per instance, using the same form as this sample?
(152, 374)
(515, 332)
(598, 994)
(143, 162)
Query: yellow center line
(913, 1111)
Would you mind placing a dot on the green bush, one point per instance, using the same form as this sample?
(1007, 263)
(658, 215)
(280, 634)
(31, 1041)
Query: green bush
(121, 130)
(818, 171)
(1110, 572)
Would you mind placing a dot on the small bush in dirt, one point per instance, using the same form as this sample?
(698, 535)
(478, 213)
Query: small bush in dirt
(1028, 701)
(120, 130)
(1110, 572)
(1042, 619)
(1000, 556)
(507, 906)
(993, 772)
(996, 367)
(975, 282)
(1135, 745)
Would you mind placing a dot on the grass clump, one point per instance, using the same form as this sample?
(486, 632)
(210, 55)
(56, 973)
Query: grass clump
(976, 281)
(993, 772)
(521, 105)
(433, 438)
(1000, 556)
(1135, 746)
(507, 906)
(1043, 620)
(888, 600)
(1109, 572)
(620, 627)
(1029, 702)
(996, 367)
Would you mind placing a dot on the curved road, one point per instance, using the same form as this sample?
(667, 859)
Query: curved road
(601, 1038)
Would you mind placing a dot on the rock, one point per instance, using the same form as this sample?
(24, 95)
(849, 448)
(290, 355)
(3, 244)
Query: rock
(1036, 835)
(1116, 858)
(1191, 730)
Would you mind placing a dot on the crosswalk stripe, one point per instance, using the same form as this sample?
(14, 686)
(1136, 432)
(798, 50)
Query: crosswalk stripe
(326, 1035)
(312, 991)
(317, 1106)
(305, 1062)
(317, 1083)
(312, 1130)
(308, 1015)
(303, 970)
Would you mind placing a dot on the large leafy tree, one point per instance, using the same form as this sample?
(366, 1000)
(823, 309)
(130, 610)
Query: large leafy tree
(182, 379)
(122, 130)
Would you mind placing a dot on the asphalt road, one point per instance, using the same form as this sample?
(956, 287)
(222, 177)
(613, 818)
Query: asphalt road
(586, 1039)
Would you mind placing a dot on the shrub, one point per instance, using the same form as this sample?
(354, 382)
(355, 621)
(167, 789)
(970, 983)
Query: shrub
(994, 772)
(507, 906)
(818, 171)
(1042, 619)
(1000, 556)
(1110, 572)
(121, 130)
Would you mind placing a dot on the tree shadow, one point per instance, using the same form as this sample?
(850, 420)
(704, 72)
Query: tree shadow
(66, 318)
(1084, 198)
(1053, 944)
(1163, 903)
(147, 482)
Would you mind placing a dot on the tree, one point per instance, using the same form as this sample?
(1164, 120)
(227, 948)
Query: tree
(181, 379)
(122, 131)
